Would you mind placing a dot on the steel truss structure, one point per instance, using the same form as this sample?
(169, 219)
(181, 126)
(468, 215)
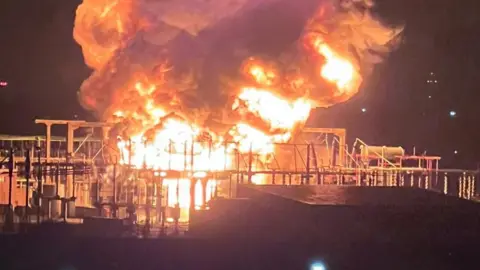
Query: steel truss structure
(46, 177)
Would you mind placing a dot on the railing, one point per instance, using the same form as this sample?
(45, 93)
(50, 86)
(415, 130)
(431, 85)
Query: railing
(351, 159)
(289, 164)
(36, 144)
(377, 155)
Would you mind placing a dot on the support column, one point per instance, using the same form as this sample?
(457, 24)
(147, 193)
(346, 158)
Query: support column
(342, 145)
(106, 139)
(48, 141)
(158, 199)
(191, 210)
(70, 138)
(250, 164)
(106, 132)
(204, 192)
(69, 183)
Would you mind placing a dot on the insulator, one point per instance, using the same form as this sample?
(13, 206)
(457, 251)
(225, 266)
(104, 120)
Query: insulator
(445, 184)
(460, 188)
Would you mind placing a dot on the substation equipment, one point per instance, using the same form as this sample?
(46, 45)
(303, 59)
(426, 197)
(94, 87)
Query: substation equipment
(74, 177)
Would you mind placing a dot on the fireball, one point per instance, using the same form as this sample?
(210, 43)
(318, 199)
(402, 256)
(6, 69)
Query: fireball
(159, 112)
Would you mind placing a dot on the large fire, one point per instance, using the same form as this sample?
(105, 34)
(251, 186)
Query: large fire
(179, 145)
(160, 132)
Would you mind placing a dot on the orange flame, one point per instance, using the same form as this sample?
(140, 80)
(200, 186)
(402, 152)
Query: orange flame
(268, 118)
(337, 69)
(159, 139)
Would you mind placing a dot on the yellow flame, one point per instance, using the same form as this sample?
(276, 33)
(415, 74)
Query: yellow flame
(278, 112)
(177, 145)
(336, 69)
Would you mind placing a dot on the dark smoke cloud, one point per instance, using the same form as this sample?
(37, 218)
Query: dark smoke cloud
(205, 41)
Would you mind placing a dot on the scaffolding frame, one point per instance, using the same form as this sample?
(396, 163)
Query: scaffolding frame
(291, 164)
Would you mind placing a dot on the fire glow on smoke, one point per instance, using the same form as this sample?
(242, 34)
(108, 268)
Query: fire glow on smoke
(160, 108)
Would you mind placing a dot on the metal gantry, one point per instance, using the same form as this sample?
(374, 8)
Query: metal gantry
(81, 175)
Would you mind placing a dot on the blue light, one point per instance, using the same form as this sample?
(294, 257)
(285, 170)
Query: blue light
(318, 266)
(453, 113)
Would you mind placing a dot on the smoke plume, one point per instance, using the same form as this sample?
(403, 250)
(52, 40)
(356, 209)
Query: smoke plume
(185, 55)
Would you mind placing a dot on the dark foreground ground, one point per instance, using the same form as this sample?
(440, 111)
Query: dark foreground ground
(280, 229)
(55, 252)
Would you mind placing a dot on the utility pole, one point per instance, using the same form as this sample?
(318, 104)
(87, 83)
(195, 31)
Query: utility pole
(8, 227)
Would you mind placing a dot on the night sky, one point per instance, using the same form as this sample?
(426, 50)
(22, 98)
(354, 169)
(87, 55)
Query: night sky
(407, 101)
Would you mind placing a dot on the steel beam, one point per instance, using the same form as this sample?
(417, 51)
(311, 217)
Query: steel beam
(341, 133)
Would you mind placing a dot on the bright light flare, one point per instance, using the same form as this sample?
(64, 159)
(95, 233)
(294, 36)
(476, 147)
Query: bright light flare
(278, 112)
(336, 69)
(318, 266)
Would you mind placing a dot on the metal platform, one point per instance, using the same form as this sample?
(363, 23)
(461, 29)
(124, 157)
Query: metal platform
(88, 172)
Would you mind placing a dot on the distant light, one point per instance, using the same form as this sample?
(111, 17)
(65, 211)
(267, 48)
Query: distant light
(453, 113)
(318, 266)
(455, 152)
(429, 96)
(3, 83)
(436, 81)
(364, 110)
(431, 73)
